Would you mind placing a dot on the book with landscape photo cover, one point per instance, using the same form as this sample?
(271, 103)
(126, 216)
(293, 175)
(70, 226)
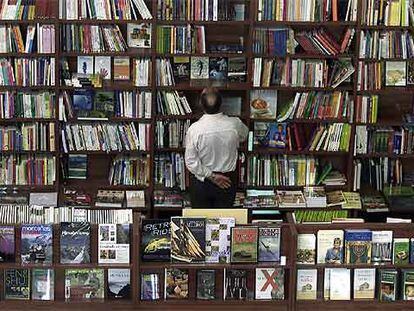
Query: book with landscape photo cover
(155, 240)
(7, 244)
(188, 238)
(75, 242)
(81, 284)
(119, 284)
(36, 244)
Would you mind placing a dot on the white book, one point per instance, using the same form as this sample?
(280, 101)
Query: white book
(330, 246)
(306, 286)
(340, 284)
(113, 243)
(364, 283)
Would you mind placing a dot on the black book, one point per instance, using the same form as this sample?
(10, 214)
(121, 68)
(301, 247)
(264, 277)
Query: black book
(218, 68)
(181, 68)
(17, 284)
(155, 240)
(75, 242)
(119, 284)
(7, 245)
(236, 71)
(206, 284)
(235, 284)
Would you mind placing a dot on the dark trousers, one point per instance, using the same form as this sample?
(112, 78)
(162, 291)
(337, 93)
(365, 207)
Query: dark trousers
(207, 195)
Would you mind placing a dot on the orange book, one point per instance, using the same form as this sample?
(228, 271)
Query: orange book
(334, 10)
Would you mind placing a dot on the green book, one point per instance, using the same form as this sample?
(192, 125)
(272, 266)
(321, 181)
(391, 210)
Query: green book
(401, 251)
(408, 284)
(388, 285)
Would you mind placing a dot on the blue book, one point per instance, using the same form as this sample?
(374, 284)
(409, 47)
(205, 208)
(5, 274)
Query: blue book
(36, 244)
(358, 246)
(412, 250)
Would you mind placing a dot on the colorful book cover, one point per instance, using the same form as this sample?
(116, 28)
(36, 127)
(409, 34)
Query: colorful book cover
(388, 285)
(330, 246)
(306, 286)
(381, 251)
(176, 284)
(206, 284)
(139, 35)
(75, 242)
(263, 104)
(199, 68)
(103, 67)
(358, 246)
(269, 244)
(401, 250)
(218, 231)
(119, 284)
(306, 249)
(395, 73)
(113, 243)
(43, 284)
(218, 68)
(276, 135)
(7, 244)
(408, 284)
(364, 283)
(270, 283)
(36, 244)
(17, 284)
(121, 68)
(81, 284)
(244, 244)
(150, 286)
(188, 239)
(156, 240)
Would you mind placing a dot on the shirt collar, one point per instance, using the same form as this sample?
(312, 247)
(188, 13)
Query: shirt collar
(215, 115)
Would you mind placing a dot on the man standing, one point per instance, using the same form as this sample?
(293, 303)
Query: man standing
(211, 153)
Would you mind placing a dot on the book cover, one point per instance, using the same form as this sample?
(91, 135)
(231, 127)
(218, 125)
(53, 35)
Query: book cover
(232, 105)
(199, 68)
(36, 244)
(85, 65)
(139, 35)
(119, 284)
(206, 284)
(269, 244)
(121, 68)
(235, 286)
(395, 73)
(135, 198)
(75, 242)
(306, 249)
(84, 284)
(181, 68)
(335, 198)
(188, 239)
(236, 69)
(276, 137)
(218, 68)
(330, 246)
(244, 244)
(77, 166)
(43, 284)
(17, 284)
(408, 284)
(110, 198)
(150, 286)
(340, 284)
(218, 231)
(263, 104)
(270, 283)
(155, 240)
(7, 244)
(358, 246)
(364, 283)
(306, 286)
(104, 105)
(176, 283)
(113, 243)
(103, 67)
(381, 251)
(83, 102)
(290, 198)
(401, 250)
(388, 285)
(410, 73)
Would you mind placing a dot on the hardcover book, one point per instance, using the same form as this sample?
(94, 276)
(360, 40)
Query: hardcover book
(113, 243)
(381, 251)
(270, 283)
(121, 68)
(176, 284)
(330, 246)
(119, 284)
(306, 249)
(306, 286)
(43, 284)
(244, 244)
(181, 68)
(155, 240)
(263, 104)
(7, 245)
(36, 244)
(358, 246)
(17, 284)
(139, 35)
(83, 103)
(395, 73)
(269, 244)
(206, 284)
(218, 68)
(218, 232)
(188, 239)
(84, 284)
(235, 286)
(199, 68)
(388, 285)
(408, 284)
(103, 67)
(75, 242)
(150, 286)
(364, 283)
(401, 250)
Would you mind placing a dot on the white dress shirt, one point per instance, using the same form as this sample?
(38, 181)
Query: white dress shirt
(212, 143)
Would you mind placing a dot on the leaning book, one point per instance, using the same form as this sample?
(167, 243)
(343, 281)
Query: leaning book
(113, 243)
(36, 244)
(119, 284)
(244, 244)
(75, 242)
(270, 284)
(84, 284)
(155, 240)
(269, 244)
(43, 284)
(7, 244)
(17, 284)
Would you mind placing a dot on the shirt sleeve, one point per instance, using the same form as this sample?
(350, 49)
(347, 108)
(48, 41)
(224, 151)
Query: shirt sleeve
(192, 159)
(242, 130)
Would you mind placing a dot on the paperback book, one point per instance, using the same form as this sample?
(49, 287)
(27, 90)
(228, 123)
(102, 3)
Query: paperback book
(199, 68)
(306, 249)
(36, 244)
(388, 280)
(113, 243)
(244, 244)
(330, 246)
(176, 284)
(150, 286)
(43, 284)
(364, 283)
(401, 251)
(139, 35)
(408, 284)
(270, 283)
(155, 240)
(269, 244)
(358, 246)
(306, 287)
(340, 284)
(218, 232)
(17, 284)
(84, 284)
(75, 242)
(119, 284)
(206, 284)
(7, 244)
(381, 252)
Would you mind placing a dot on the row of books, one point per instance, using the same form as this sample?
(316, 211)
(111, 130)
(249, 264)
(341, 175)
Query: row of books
(132, 171)
(273, 41)
(300, 72)
(27, 71)
(338, 286)
(105, 137)
(366, 109)
(27, 105)
(36, 214)
(181, 39)
(388, 13)
(392, 140)
(386, 44)
(28, 137)
(14, 43)
(27, 10)
(169, 170)
(172, 103)
(313, 216)
(200, 10)
(27, 170)
(171, 134)
(333, 137)
(104, 9)
(307, 11)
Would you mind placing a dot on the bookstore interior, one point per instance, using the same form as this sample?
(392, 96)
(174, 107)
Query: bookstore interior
(96, 98)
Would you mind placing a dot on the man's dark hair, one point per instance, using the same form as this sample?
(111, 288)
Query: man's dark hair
(210, 100)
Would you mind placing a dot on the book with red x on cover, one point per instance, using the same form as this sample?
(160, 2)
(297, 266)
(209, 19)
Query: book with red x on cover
(270, 283)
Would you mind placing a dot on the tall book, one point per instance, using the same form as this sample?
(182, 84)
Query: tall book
(270, 284)
(388, 281)
(119, 284)
(36, 244)
(176, 284)
(340, 284)
(408, 284)
(150, 286)
(43, 284)
(155, 240)
(401, 251)
(269, 244)
(206, 284)
(7, 244)
(244, 244)
(75, 242)
(381, 251)
(113, 243)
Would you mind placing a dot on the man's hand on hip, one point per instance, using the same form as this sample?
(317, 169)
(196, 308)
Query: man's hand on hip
(220, 180)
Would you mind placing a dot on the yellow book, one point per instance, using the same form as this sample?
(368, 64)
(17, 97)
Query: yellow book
(395, 13)
(239, 214)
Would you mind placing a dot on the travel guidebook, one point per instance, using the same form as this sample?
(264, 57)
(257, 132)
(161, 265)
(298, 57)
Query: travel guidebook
(36, 244)
(155, 240)
(75, 242)
(84, 284)
(113, 243)
(7, 245)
